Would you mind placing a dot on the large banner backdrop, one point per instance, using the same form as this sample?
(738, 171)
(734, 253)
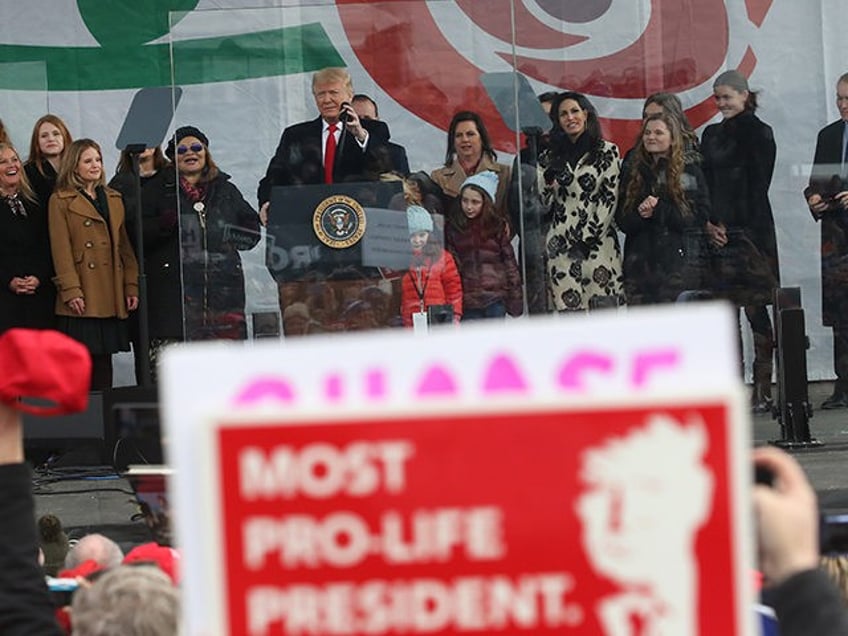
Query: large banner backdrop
(245, 66)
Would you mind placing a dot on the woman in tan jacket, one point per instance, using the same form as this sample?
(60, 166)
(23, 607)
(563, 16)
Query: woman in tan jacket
(96, 270)
(470, 152)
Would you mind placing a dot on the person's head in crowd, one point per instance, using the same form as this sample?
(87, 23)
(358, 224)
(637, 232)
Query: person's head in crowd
(660, 139)
(661, 148)
(129, 600)
(13, 179)
(836, 567)
(4, 135)
(189, 147)
(574, 115)
(50, 138)
(670, 104)
(53, 543)
(365, 107)
(331, 87)
(546, 100)
(663, 103)
(379, 301)
(477, 202)
(842, 96)
(420, 189)
(358, 315)
(82, 166)
(420, 225)
(95, 547)
(296, 319)
(468, 140)
(733, 95)
(150, 160)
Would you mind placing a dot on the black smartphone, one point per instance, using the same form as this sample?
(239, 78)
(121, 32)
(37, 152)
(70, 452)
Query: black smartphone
(833, 534)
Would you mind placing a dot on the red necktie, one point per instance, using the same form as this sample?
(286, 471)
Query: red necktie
(330, 154)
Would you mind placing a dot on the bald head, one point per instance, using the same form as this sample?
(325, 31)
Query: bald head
(95, 547)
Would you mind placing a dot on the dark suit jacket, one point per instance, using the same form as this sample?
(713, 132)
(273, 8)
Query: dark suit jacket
(298, 159)
(399, 161)
(834, 225)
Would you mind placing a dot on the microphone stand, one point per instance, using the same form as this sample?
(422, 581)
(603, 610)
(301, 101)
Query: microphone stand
(143, 353)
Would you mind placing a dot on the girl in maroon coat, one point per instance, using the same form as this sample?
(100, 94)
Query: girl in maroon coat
(432, 278)
(479, 239)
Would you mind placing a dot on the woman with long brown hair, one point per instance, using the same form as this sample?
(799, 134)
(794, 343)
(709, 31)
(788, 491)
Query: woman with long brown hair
(50, 138)
(663, 197)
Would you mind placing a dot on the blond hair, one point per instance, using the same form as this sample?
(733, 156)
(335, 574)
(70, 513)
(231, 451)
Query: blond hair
(836, 568)
(333, 74)
(68, 178)
(24, 188)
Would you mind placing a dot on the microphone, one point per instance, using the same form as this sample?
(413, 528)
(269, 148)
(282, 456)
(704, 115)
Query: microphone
(344, 116)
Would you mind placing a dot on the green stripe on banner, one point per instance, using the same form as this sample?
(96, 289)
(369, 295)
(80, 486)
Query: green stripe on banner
(283, 51)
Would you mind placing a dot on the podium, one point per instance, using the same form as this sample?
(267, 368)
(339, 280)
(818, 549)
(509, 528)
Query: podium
(337, 252)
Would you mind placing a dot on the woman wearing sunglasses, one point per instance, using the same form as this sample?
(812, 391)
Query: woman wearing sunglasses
(194, 273)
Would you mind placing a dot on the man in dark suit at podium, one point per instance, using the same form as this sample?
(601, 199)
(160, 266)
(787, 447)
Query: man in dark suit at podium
(335, 147)
(827, 198)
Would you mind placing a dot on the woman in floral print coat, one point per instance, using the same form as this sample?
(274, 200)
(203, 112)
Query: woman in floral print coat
(578, 182)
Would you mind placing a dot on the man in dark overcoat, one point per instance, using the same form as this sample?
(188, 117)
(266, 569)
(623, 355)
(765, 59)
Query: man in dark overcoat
(827, 198)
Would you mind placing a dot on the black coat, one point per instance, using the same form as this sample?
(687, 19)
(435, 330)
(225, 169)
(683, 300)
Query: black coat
(25, 251)
(43, 182)
(826, 180)
(25, 604)
(659, 262)
(124, 183)
(739, 156)
(211, 293)
(299, 157)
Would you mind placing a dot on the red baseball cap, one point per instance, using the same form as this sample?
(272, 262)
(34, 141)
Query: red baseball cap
(84, 569)
(168, 559)
(47, 365)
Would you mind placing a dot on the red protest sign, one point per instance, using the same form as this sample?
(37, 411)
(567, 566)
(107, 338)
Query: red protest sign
(595, 521)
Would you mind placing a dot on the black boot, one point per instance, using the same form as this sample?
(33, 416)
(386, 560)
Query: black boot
(761, 401)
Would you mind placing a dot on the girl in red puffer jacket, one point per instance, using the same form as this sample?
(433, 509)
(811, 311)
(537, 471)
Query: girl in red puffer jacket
(432, 278)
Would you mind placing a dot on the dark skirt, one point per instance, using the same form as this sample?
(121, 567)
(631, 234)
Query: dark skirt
(101, 336)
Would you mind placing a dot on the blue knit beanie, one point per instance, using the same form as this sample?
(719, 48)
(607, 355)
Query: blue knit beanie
(487, 181)
(418, 219)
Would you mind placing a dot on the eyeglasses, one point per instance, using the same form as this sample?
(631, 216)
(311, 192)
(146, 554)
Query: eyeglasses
(181, 150)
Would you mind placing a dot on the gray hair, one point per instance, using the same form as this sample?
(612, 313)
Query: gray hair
(131, 600)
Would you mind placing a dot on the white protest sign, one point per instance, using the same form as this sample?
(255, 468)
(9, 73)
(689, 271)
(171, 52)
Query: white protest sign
(467, 480)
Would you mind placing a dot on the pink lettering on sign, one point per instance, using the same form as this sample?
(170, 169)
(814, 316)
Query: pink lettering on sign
(572, 374)
(649, 362)
(261, 389)
(375, 384)
(504, 376)
(334, 388)
(437, 381)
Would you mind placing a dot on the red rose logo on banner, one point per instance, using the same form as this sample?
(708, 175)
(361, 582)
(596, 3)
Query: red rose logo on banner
(429, 55)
